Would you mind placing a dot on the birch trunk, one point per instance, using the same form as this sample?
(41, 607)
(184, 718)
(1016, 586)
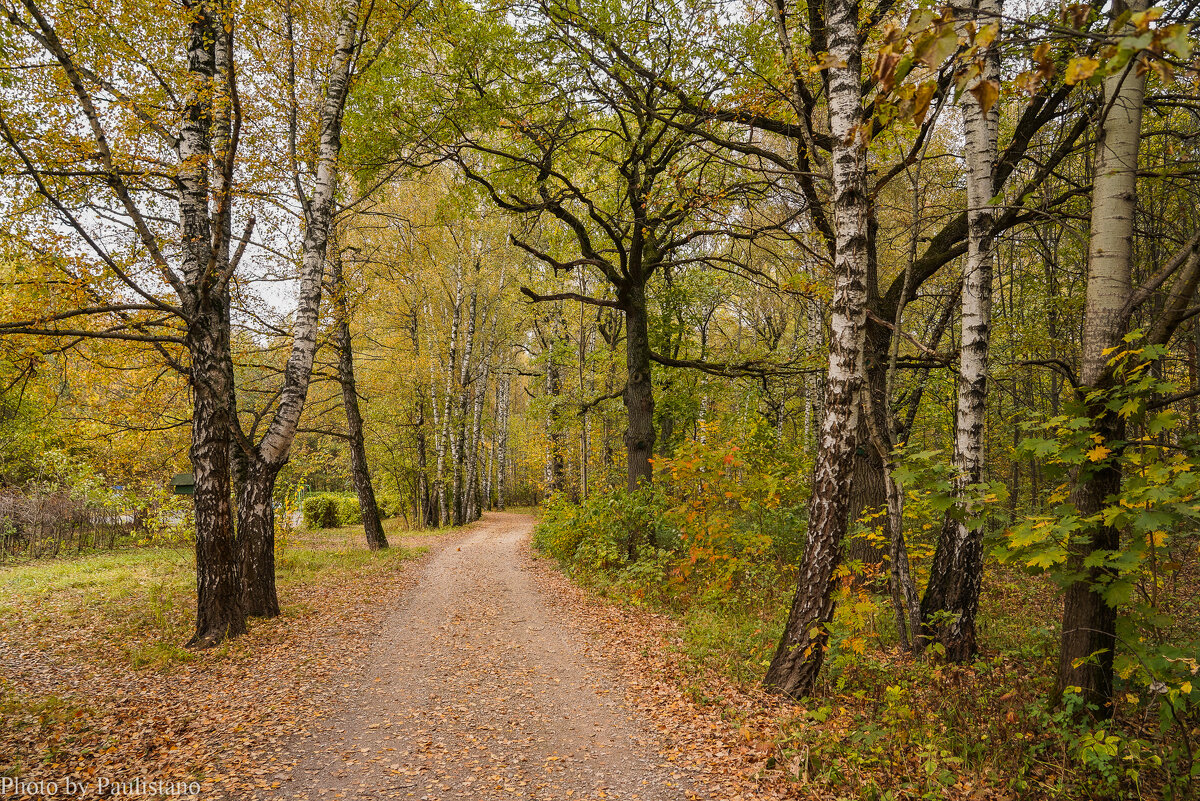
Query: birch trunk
(476, 504)
(486, 496)
(503, 390)
(952, 593)
(444, 424)
(423, 510)
(256, 513)
(1089, 623)
(459, 444)
(798, 658)
(424, 506)
(219, 612)
(555, 468)
(472, 504)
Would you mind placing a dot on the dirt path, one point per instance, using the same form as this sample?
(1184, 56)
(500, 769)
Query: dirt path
(478, 689)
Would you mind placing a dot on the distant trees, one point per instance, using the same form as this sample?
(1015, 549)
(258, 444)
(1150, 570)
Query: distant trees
(595, 162)
(433, 291)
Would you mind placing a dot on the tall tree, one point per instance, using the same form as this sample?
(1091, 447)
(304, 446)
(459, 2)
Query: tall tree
(360, 472)
(190, 254)
(265, 458)
(957, 569)
(798, 658)
(1089, 622)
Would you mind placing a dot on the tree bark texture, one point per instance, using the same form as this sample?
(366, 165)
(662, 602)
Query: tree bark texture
(956, 573)
(798, 658)
(1089, 623)
(219, 612)
(639, 391)
(256, 540)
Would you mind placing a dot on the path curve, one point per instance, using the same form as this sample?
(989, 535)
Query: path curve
(478, 688)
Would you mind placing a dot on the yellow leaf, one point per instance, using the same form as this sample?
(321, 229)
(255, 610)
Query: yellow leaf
(1081, 68)
(1098, 453)
(986, 93)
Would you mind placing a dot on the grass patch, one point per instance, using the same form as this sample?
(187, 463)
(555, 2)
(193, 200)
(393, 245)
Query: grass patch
(737, 643)
(139, 603)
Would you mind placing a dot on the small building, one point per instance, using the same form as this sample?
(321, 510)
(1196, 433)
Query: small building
(184, 484)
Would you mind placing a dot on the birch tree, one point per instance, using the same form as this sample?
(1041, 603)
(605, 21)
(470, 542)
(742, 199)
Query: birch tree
(1089, 622)
(265, 458)
(956, 572)
(189, 250)
(800, 653)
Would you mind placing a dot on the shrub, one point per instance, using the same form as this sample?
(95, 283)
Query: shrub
(348, 509)
(321, 511)
(390, 504)
(336, 509)
(606, 531)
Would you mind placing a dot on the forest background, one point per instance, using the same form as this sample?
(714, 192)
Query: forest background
(860, 337)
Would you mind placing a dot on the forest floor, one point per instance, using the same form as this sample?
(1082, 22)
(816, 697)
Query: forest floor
(477, 672)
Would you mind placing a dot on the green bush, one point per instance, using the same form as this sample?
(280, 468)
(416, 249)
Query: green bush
(348, 509)
(605, 532)
(390, 504)
(336, 509)
(321, 511)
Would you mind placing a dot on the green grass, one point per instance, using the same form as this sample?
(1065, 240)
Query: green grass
(137, 604)
(736, 642)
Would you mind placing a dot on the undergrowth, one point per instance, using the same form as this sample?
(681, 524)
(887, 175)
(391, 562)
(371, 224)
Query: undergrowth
(714, 544)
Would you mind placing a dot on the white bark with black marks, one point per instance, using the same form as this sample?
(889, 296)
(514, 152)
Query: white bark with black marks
(442, 420)
(798, 658)
(956, 573)
(256, 517)
(1089, 623)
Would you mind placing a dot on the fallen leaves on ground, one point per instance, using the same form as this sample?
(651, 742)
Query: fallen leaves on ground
(70, 706)
(728, 743)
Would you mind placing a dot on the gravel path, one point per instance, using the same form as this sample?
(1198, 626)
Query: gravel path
(478, 689)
